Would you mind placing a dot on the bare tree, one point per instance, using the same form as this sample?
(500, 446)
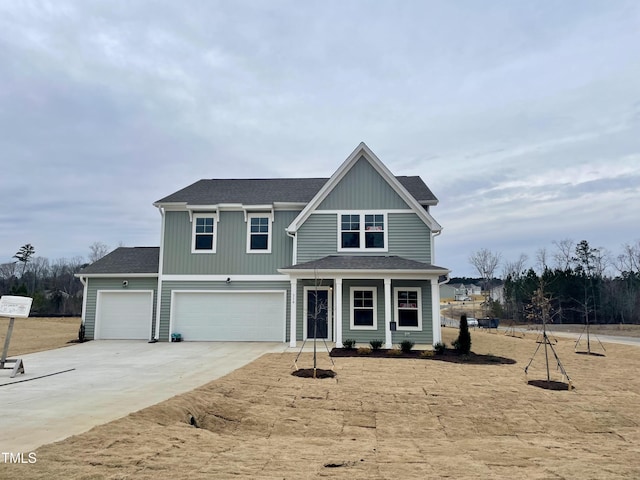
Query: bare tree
(485, 262)
(564, 255)
(515, 269)
(541, 259)
(97, 250)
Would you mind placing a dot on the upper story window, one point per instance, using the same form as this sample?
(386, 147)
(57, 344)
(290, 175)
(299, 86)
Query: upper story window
(204, 234)
(362, 231)
(258, 233)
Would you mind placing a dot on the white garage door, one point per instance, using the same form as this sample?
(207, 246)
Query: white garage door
(245, 316)
(124, 315)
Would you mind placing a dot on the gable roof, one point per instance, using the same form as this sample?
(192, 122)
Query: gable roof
(126, 261)
(363, 151)
(252, 191)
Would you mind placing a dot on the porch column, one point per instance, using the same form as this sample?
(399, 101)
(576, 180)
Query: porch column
(435, 310)
(292, 316)
(387, 313)
(337, 311)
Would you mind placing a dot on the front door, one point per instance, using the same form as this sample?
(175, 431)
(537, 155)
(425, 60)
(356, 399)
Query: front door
(317, 312)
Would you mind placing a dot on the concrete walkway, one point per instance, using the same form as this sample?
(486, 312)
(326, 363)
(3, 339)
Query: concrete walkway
(69, 390)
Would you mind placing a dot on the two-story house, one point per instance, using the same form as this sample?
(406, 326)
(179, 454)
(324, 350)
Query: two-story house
(287, 259)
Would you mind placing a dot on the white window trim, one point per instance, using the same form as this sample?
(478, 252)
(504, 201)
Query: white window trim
(362, 247)
(375, 308)
(266, 215)
(395, 307)
(193, 232)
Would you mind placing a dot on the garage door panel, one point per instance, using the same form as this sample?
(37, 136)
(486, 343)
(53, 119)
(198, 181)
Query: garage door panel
(229, 316)
(124, 315)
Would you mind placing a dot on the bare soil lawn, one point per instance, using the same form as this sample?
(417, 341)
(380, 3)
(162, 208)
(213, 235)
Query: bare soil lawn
(37, 334)
(379, 418)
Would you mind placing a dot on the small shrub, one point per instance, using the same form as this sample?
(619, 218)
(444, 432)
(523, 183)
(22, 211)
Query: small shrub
(364, 351)
(439, 348)
(349, 343)
(455, 344)
(394, 352)
(81, 336)
(406, 346)
(427, 353)
(376, 344)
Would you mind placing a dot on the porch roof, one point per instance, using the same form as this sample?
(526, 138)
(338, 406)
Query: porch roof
(392, 264)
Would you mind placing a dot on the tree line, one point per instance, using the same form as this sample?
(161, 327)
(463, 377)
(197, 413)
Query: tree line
(583, 284)
(55, 289)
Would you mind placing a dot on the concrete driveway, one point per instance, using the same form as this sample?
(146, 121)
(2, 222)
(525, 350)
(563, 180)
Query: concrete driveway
(69, 390)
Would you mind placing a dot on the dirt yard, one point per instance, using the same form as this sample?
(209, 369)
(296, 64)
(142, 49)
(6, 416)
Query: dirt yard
(38, 334)
(379, 418)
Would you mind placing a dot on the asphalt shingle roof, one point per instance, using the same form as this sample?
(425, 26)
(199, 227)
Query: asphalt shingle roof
(269, 190)
(346, 262)
(126, 260)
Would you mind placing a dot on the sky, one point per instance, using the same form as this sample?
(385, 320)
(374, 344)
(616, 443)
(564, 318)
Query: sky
(522, 117)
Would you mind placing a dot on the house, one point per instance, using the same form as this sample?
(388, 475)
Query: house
(288, 259)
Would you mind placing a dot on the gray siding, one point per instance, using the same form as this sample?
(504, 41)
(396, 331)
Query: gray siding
(169, 286)
(408, 237)
(362, 188)
(95, 284)
(230, 256)
(317, 237)
(362, 337)
(425, 337)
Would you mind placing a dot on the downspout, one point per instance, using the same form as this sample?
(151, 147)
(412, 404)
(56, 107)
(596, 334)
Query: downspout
(294, 258)
(433, 245)
(156, 335)
(85, 289)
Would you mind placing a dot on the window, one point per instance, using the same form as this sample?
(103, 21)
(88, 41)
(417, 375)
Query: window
(360, 231)
(350, 229)
(408, 303)
(363, 308)
(258, 233)
(374, 231)
(204, 234)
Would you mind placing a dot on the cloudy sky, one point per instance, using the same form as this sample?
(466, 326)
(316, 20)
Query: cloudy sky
(522, 117)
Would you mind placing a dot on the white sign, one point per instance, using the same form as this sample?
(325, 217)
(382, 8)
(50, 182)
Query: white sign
(12, 306)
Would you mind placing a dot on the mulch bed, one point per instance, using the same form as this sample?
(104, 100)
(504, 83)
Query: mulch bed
(308, 373)
(447, 356)
(550, 385)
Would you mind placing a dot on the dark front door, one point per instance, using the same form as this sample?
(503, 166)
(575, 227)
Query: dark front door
(317, 313)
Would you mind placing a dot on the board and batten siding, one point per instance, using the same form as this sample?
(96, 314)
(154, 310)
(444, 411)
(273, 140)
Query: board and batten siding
(362, 188)
(408, 237)
(114, 284)
(231, 255)
(170, 285)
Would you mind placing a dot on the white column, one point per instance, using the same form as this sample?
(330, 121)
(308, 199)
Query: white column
(338, 311)
(435, 310)
(387, 313)
(292, 326)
